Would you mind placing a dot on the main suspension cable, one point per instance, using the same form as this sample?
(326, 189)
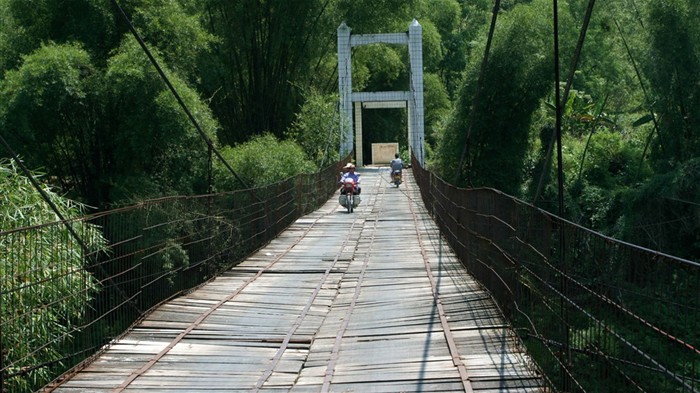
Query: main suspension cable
(477, 94)
(175, 94)
(565, 96)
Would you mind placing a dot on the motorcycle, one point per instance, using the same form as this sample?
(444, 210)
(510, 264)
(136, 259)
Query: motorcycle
(348, 198)
(396, 177)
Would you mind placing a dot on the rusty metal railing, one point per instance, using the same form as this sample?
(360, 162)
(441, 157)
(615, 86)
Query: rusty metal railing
(600, 315)
(60, 306)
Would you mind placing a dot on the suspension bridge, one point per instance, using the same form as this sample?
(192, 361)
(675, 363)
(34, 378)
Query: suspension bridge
(425, 287)
(369, 301)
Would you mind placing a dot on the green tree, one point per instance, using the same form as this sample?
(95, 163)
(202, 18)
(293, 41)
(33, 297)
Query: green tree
(175, 29)
(380, 67)
(518, 77)
(673, 70)
(49, 108)
(8, 26)
(109, 135)
(604, 67)
(261, 161)
(369, 17)
(437, 106)
(664, 212)
(266, 50)
(144, 121)
(93, 112)
(316, 128)
(600, 170)
(455, 27)
(33, 23)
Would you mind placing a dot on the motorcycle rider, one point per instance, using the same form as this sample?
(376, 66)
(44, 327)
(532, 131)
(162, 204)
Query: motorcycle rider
(396, 164)
(350, 174)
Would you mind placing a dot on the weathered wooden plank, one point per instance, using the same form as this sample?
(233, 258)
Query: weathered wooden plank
(342, 301)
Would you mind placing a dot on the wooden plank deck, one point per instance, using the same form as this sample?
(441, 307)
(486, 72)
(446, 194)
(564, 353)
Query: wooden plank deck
(372, 301)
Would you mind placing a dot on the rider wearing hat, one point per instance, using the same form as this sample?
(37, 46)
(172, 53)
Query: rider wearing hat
(350, 174)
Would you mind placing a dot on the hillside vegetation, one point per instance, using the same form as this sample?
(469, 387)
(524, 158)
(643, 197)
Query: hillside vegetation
(81, 101)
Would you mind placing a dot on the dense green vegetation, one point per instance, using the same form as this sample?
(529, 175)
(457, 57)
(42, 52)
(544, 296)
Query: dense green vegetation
(630, 129)
(54, 254)
(80, 99)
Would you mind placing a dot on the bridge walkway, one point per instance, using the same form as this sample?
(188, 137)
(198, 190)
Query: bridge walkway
(372, 301)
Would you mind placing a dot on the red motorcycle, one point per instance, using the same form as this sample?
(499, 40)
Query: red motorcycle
(348, 198)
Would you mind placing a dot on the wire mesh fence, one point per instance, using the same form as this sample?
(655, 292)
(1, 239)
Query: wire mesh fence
(597, 314)
(65, 296)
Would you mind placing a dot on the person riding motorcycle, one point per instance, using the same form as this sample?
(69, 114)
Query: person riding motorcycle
(350, 174)
(396, 164)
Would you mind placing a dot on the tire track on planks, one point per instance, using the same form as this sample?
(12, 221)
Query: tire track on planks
(134, 375)
(330, 368)
(278, 355)
(452, 346)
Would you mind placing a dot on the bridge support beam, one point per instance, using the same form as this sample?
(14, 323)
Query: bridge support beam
(349, 99)
(415, 108)
(358, 134)
(345, 89)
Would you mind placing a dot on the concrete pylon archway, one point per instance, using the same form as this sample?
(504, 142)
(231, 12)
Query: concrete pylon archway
(411, 99)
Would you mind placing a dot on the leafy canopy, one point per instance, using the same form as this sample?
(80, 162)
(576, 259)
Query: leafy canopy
(261, 161)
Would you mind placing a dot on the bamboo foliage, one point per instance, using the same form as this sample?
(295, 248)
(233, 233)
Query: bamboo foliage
(50, 255)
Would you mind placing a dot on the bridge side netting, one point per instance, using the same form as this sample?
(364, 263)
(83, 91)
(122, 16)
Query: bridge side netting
(599, 315)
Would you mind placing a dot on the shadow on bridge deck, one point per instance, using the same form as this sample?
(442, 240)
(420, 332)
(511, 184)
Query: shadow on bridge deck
(368, 301)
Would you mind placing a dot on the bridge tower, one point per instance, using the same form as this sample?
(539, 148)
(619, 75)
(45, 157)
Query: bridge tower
(411, 99)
